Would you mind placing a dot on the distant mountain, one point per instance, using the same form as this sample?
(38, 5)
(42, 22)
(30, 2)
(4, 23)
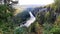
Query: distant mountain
(25, 14)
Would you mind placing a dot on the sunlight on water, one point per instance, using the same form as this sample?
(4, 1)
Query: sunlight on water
(24, 4)
(30, 21)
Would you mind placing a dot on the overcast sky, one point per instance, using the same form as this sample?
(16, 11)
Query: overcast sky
(35, 2)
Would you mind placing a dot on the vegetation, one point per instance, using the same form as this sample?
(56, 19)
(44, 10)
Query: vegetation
(46, 22)
(6, 14)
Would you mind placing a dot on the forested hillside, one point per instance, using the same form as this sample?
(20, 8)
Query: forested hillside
(45, 23)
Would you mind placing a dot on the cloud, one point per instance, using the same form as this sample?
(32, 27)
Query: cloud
(35, 2)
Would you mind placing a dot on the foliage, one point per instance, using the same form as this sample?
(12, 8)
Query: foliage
(6, 14)
(46, 23)
(20, 30)
(21, 17)
(56, 26)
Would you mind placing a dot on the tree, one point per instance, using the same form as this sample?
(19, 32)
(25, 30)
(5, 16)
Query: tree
(6, 23)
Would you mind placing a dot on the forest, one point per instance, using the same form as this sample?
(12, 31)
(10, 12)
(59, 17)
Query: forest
(45, 23)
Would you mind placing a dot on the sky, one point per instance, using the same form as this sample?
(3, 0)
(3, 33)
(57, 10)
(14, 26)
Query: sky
(32, 3)
(35, 2)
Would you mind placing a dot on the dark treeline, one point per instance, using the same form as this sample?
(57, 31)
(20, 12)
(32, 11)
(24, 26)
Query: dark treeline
(47, 22)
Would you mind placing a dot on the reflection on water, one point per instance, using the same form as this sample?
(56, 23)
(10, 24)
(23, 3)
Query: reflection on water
(30, 21)
(24, 7)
